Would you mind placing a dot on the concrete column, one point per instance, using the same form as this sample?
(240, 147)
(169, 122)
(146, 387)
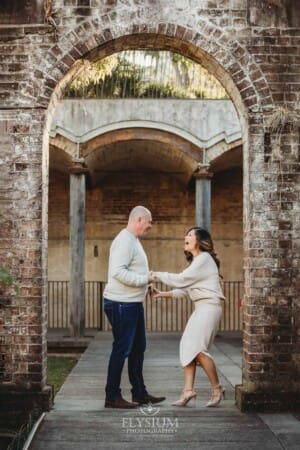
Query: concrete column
(203, 197)
(77, 249)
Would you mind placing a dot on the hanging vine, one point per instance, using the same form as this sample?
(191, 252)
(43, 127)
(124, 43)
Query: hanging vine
(146, 74)
(49, 13)
(283, 121)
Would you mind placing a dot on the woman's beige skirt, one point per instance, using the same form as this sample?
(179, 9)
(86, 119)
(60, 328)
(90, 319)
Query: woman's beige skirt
(200, 331)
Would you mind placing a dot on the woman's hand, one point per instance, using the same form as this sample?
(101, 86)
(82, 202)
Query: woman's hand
(156, 293)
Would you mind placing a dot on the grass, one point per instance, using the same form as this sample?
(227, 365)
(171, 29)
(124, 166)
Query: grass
(59, 367)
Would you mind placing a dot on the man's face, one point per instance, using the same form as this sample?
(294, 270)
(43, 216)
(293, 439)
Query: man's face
(145, 224)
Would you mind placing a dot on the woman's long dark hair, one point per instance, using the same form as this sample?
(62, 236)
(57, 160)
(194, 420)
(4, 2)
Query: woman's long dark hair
(205, 244)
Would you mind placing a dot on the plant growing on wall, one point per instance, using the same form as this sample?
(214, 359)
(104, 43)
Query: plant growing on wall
(8, 285)
(283, 121)
(9, 292)
(7, 280)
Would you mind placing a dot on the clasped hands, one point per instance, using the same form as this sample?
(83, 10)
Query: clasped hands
(153, 292)
(152, 277)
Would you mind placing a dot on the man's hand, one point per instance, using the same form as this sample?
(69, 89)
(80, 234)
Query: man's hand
(150, 290)
(155, 293)
(152, 277)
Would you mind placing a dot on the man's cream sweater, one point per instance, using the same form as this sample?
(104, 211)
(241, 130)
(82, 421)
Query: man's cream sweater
(128, 270)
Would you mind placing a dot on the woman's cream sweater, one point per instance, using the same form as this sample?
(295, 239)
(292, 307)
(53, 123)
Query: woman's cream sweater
(199, 281)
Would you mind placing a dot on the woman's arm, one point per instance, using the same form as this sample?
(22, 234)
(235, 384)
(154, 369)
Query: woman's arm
(175, 293)
(192, 274)
(155, 293)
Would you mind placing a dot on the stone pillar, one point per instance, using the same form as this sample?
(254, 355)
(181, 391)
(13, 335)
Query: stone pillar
(203, 197)
(23, 251)
(271, 361)
(77, 248)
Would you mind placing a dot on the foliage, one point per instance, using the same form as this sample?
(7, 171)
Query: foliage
(20, 436)
(145, 74)
(59, 368)
(156, 90)
(94, 73)
(8, 280)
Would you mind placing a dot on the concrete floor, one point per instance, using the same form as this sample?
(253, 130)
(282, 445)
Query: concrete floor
(79, 420)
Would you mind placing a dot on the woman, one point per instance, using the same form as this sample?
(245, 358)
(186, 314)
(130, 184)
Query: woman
(200, 282)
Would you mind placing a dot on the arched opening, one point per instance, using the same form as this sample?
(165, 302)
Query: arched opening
(128, 161)
(185, 48)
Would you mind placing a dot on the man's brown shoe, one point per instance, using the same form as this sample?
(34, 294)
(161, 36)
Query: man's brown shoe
(120, 403)
(148, 399)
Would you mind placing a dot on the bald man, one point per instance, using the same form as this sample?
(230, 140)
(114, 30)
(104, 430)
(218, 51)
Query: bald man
(128, 278)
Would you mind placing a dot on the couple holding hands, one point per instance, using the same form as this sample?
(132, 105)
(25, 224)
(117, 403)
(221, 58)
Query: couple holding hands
(128, 281)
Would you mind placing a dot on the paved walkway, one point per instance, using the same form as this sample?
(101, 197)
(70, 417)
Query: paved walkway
(79, 421)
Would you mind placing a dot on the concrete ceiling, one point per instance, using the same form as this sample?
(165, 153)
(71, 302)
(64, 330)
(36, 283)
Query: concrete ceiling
(228, 160)
(139, 156)
(131, 155)
(59, 159)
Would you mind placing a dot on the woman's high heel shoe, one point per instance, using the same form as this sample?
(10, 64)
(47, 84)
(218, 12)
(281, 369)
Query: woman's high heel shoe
(216, 396)
(186, 396)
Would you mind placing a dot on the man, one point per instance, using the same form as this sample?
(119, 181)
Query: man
(128, 278)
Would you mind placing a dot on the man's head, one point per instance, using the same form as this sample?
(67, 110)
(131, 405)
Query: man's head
(139, 221)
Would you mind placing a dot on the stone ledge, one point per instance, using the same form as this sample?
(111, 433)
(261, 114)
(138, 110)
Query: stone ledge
(60, 341)
(264, 401)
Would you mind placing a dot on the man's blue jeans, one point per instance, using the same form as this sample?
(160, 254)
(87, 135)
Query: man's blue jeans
(128, 328)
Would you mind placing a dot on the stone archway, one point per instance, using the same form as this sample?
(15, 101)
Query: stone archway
(187, 50)
(267, 367)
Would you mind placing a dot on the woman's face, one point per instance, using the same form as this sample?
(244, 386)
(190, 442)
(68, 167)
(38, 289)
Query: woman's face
(190, 243)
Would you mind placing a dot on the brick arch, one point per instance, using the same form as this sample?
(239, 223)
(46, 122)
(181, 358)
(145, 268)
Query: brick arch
(206, 44)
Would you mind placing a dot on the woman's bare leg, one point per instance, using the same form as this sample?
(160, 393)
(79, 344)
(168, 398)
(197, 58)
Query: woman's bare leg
(188, 390)
(189, 376)
(209, 368)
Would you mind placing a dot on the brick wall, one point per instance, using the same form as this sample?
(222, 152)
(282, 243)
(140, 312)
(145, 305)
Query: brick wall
(23, 316)
(271, 333)
(256, 57)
